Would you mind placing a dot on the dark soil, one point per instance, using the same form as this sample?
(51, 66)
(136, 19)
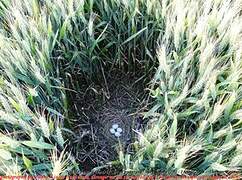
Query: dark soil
(117, 99)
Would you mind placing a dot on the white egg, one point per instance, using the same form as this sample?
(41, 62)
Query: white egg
(115, 126)
(112, 130)
(119, 130)
(117, 134)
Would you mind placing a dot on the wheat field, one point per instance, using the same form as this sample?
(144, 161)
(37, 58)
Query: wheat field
(182, 59)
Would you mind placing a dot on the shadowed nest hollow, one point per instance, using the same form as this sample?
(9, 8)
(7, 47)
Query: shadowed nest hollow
(115, 100)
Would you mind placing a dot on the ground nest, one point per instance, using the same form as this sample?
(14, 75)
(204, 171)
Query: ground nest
(119, 100)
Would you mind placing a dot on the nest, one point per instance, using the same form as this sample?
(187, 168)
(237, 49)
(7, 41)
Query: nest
(100, 109)
(109, 117)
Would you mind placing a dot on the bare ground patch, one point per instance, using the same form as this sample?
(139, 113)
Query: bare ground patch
(118, 99)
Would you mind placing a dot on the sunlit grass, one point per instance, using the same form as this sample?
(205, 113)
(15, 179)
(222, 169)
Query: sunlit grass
(192, 47)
